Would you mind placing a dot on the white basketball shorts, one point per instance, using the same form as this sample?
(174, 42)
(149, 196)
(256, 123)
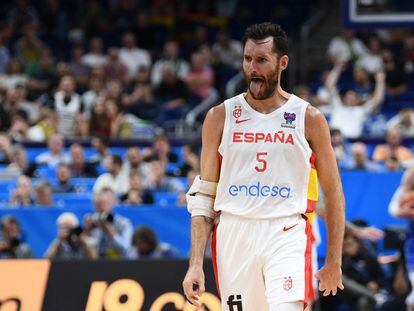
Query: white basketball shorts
(260, 264)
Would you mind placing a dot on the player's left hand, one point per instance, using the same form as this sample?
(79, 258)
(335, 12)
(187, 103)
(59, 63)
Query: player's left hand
(330, 279)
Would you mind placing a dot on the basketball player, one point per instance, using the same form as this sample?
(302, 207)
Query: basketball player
(260, 154)
(402, 205)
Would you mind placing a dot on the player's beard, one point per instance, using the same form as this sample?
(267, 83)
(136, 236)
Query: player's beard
(262, 87)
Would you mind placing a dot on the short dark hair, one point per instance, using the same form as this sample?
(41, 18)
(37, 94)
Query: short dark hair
(117, 159)
(264, 30)
(147, 234)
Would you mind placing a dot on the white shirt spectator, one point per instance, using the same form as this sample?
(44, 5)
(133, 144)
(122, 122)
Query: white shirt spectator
(94, 60)
(229, 55)
(372, 63)
(52, 160)
(349, 119)
(179, 66)
(66, 113)
(343, 51)
(119, 184)
(134, 58)
(404, 122)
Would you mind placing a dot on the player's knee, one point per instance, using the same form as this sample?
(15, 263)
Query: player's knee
(288, 306)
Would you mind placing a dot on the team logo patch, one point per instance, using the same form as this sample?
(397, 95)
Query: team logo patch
(237, 112)
(288, 283)
(289, 118)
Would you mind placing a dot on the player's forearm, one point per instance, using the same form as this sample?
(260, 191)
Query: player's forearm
(201, 227)
(335, 222)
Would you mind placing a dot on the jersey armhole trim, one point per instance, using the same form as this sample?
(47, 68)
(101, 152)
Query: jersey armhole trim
(222, 145)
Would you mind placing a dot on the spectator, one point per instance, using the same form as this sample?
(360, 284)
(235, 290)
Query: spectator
(114, 69)
(95, 57)
(132, 56)
(14, 75)
(145, 245)
(43, 190)
(172, 93)
(170, 60)
(159, 182)
(111, 233)
(403, 122)
(200, 78)
(71, 242)
(19, 128)
(21, 13)
(5, 148)
(99, 123)
(372, 61)
(160, 150)
(100, 144)
(42, 74)
(90, 97)
(68, 107)
(346, 47)
(392, 148)
(63, 178)
(22, 195)
(228, 52)
(191, 175)
(77, 69)
(191, 160)
(349, 112)
(137, 194)
(19, 162)
(360, 159)
(133, 162)
(46, 127)
(55, 154)
(362, 276)
(396, 83)
(5, 33)
(28, 48)
(79, 167)
(340, 147)
(11, 243)
(114, 179)
(142, 75)
(141, 103)
(408, 53)
(362, 82)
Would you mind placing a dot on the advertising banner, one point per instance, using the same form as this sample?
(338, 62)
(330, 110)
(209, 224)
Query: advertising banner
(31, 285)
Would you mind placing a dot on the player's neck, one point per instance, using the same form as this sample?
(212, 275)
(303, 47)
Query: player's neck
(278, 99)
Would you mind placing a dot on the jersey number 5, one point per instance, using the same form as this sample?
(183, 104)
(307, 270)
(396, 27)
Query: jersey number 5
(262, 165)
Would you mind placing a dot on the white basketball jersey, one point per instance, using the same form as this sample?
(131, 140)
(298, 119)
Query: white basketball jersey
(267, 165)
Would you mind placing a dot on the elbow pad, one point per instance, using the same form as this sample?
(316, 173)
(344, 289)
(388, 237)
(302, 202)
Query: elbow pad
(199, 200)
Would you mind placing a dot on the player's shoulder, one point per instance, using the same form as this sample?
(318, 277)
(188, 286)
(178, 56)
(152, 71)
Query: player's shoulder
(313, 114)
(315, 123)
(215, 118)
(217, 113)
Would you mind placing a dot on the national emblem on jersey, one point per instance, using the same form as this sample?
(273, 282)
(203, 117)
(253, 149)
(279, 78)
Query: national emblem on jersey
(289, 118)
(288, 283)
(237, 112)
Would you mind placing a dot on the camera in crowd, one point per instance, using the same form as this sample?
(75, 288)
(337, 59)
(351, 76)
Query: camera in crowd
(100, 218)
(10, 245)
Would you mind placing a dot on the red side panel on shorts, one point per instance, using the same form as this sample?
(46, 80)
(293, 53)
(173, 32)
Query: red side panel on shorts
(309, 293)
(214, 257)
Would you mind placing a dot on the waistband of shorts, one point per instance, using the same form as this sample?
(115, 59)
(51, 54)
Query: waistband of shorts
(227, 217)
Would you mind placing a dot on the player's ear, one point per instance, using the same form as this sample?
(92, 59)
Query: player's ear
(283, 62)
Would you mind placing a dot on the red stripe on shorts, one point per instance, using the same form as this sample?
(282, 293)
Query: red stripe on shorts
(214, 257)
(309, 293)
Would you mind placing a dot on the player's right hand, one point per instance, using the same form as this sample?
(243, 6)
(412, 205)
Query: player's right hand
(193, 284)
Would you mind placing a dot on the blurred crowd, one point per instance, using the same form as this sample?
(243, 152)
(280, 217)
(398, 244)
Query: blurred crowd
(79, 74)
